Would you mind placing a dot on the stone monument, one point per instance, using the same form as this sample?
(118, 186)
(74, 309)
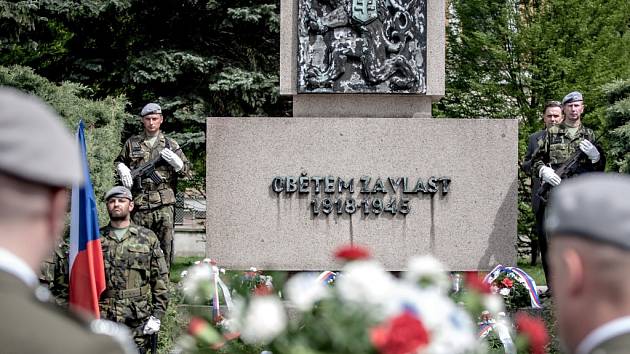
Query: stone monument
(361, 161)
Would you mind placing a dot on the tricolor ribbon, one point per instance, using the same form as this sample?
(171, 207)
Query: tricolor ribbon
(327, 277)
(522, 277)
(502, 331)
(219, 284)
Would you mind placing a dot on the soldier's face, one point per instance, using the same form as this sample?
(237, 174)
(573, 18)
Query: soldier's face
(573, 111)
(152, 123)
(119, 208)
(553, 116)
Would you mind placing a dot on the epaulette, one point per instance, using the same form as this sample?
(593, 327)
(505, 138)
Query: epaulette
(554, 129)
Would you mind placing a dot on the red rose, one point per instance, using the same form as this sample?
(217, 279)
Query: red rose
(507, 282)
(262, 290)
(352, 253)
(400, 335)
(534, 330)
(197, 325)
(474, 282)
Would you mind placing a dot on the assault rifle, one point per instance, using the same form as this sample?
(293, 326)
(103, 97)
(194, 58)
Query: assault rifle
(154, 343)
(565, 170)
(147, 169)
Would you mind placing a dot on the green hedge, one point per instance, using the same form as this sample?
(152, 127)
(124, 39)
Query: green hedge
(103, 121)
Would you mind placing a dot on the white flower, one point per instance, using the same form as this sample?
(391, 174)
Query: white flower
(440, 316)
(366, 283)
(427, 272)
(493, 303)
(456, 333)
(504, 292)
(263, 320)
(304, 290)
(198, 281)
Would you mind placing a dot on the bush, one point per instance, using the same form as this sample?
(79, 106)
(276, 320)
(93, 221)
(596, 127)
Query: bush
(103, 121)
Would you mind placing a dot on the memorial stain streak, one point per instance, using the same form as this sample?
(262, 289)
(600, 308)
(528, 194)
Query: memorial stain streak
(351, 232)
(432, 232)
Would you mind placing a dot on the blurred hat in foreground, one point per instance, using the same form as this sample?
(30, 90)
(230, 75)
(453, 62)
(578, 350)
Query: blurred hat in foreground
(594, 206)
(34, 143)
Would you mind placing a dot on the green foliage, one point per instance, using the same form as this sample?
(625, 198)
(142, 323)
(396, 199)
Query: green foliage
(618, 123)
(196, 59)
(505, 58)
(174, 321)
(103, 120)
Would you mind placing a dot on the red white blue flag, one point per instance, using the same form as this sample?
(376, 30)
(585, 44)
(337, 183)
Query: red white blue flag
(87, 271)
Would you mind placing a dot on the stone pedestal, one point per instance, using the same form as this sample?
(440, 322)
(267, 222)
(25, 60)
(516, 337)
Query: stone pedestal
(472, 227)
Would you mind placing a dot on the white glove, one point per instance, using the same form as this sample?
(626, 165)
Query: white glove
(152, 326)
(125, 175)
(169, 156)
(549, 175)
(590, 150)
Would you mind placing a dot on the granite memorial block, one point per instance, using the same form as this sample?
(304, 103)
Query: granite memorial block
(283, 193)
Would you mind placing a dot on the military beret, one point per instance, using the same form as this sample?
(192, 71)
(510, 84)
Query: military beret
(118, 191)
(593, 206)
(34, 143)
(151, 108)
(572, 97)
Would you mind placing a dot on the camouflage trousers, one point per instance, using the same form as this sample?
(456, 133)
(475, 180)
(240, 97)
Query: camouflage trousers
(160, 221)
(133, 313)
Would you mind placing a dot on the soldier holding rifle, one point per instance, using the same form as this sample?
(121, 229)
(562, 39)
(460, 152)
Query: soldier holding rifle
(566, 150)
(552, 115)
(150, 165)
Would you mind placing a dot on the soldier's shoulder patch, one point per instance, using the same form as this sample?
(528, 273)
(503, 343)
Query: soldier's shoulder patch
(157, 251)
(143, 231)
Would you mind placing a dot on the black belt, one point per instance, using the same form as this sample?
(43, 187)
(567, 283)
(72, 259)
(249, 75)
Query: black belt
(127, 293)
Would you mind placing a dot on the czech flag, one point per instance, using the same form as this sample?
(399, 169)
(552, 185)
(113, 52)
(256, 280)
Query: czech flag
(87, 271)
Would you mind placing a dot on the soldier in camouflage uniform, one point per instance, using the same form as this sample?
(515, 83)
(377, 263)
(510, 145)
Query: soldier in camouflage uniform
(563, 140)
(154, 202)
(55, 273)
(136, 273)
(558, 145)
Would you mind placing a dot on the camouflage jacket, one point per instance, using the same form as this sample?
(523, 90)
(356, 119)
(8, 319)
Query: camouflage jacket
(55, 273)
(558, 145)
(136, 276)
(148, 194)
